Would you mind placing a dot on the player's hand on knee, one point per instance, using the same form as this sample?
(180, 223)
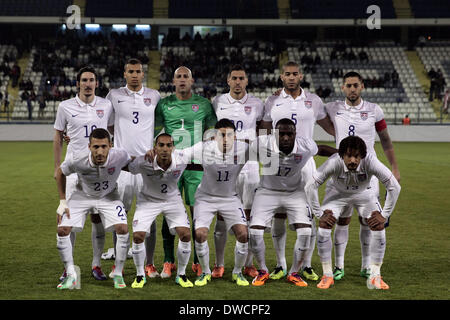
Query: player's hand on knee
(150, 155)
(376, 221)
(62, 209)
(327, 220)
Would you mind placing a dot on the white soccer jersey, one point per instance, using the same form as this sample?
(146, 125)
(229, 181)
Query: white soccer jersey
(133, 118)
(94, 180)
(353, 182)
(220, 170)
(80, 119)
(158, 184)
(304, 110)
(355, 121)
(288, 176)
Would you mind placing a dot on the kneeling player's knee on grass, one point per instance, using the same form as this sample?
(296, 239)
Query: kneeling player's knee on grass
(327, 220)
(344, 221)
(95, 218)
(138, 237)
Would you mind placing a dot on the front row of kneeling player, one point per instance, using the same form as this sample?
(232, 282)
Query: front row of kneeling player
(282, 155)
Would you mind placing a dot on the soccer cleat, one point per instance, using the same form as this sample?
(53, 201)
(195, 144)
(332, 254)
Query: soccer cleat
(338, 273)
(251, 271)
(63, 276)
(297, 280)
(183, 281)
(168, 267)
(203, 280)
(365, 273)
(98, 274)
(308, 273)
(111, 274)
(197, 269)
(119, 283)
(151, 271)
(278, 273)
(218, 271)
(261, 278)
(239, 279)
(69, 283)
(377, 282)
(139, 282)
(325, 283)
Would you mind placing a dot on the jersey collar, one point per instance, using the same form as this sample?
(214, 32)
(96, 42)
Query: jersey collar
(130, 92)
(277, 150)
(83, 104)
(93, 165)
(358, 107)
(231, 100)
(285, 95)
(358, 169)
(172, 166)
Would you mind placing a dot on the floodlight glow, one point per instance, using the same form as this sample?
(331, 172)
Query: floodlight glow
(63, 26)
(142, 27)
(92, 26)
(119, 26)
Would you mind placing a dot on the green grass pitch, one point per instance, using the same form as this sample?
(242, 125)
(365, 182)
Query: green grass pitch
(416, 264)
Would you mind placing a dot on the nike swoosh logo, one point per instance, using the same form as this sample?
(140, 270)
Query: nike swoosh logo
(278, 104)
(339, 113)
(223, 108)
(120, 101)
(170, 108)
(74, 115)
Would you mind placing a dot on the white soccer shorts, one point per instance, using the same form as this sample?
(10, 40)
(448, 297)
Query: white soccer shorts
(129, 186)
(147, 211)
(206, 207)
(268, 202)
(110, 208)
(247, 183)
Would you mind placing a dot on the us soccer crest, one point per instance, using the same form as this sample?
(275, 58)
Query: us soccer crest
(176, 173)
(362, 177)
(297, 158)
(248, 109)
(195, 107)
(111, 170)
(364, 115)
(308, 104)
(100, 113)
(147, 101)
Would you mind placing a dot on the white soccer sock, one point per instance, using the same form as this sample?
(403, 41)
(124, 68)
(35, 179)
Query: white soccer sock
(300, 248)
(139, 257)
(202, 250)
(312, 245)
(279, 241)
(73, 238)
(327, 268)
(150, 243)
(364, 239)
(64, 246)
(98, 243)
(240, 255)
(340, 243)
(121, 253)
(377, 249)
(220, 241)
(258, 247)
(324, 245)
(183, 255)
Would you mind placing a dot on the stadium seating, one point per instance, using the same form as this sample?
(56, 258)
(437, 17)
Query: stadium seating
(430, 8)
(34, 8)
(407, 97)
(349, 9)
(436, 55)
(119, 8)
(9, 52)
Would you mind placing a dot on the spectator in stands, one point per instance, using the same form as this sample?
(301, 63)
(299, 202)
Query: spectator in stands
(387, 80)
(42, 106)
(30, 108)
(15, 75)
(333, 55)
(440, 84)
(363, 56)
(394, 77)
(6, 102)
(406, 120)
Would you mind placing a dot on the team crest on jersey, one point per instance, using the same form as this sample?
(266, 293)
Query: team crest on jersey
(364, 115)
(147, 101)
(195, 107)
(135, 222)
(100, 113)
(176, 173)
(308, 104)
(362, 177)
(298, 158)
(248, 109)
(111, 170)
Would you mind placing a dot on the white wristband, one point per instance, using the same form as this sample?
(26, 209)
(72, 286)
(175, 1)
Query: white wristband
(62, 207)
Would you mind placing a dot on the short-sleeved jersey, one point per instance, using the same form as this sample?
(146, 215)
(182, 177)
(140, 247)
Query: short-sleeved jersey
(79, 119)
(185, 120)
(96, 181)
(355, 121)
(221, 170)
(244, 113)
(288, 175)
(353, 182)
(159, 184)
(133, 118)
(304, 110)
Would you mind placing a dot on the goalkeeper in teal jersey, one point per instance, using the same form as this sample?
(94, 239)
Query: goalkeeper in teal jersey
(185, 116)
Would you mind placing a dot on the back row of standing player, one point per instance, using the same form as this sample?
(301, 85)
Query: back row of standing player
(134, 112)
